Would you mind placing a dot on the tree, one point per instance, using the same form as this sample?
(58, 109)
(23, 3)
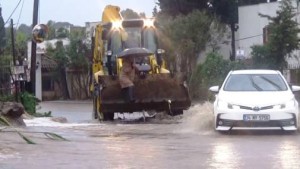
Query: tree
(252, 2)
(62, 33)
(130, 14)
(51, 30)
(21, 46)
(25, 29)
(79, 67)
(59, 55)
(189, 35)
(155, 11)
(2, 33)
(283, 35)
(176, 7)
(261, 57)
(226, 10)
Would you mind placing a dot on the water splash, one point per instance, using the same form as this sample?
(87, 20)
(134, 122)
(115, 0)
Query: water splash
(47, 122)
(198, 118)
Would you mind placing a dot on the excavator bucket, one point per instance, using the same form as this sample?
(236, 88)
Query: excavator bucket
(158, 92)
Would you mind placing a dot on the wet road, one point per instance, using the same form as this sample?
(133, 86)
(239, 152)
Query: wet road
(186, 142)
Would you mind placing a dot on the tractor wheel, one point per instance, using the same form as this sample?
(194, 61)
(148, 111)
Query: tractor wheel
(95, 111)
(175, 112)
(108, 116)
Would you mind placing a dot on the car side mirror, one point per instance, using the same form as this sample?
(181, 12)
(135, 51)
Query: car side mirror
(214, 89)
(295, 88)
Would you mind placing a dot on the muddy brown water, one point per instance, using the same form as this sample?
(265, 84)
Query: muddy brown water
(181, 142)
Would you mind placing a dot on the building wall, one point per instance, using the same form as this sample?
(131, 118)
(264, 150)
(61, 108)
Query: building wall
(251, 25)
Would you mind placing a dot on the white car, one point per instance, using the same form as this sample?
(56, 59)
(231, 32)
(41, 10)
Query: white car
(255, 100)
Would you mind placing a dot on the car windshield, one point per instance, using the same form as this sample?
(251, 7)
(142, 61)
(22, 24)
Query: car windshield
(255, 82)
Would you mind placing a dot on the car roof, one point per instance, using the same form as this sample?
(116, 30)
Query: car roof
(255, 71)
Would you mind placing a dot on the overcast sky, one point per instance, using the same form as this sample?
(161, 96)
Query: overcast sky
(76, 12)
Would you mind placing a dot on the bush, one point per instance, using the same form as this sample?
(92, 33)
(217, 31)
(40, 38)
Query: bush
(29, 102)
(7, 98)
(211, 73)
(261, 57)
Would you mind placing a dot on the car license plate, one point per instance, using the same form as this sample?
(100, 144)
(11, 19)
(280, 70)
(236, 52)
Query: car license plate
(256, 117)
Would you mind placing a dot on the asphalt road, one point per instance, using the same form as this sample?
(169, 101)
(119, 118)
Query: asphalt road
(182, 142)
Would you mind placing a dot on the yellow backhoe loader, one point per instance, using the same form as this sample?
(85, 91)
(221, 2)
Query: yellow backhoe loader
(155, 88)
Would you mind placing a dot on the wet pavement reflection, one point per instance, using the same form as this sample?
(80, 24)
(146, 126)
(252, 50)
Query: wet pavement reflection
(182, 142)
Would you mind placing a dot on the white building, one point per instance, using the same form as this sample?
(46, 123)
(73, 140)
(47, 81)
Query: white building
(89, 30)
(40, 52)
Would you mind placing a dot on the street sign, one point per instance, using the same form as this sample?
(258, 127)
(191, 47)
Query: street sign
(18, 70)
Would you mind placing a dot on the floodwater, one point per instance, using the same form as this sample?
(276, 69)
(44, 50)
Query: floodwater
(188, 141)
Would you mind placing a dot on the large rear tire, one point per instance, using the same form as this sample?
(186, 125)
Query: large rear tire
(108, 116)
(95, 112)
(175, 112)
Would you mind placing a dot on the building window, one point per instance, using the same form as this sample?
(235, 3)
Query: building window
(47, 84)
(265, 35)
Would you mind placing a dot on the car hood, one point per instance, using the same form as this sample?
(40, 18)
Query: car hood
(256, 98)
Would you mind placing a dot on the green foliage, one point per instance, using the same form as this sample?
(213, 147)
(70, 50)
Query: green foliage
(184, 7)
(262, 58)
(2, 33)
(187, 36)
(25, 29)
(214, 69)
(51, 30)
(62, 33)
(29, 102)
(212, 72)
(7, 98)
(5, 76)
(283, 34)
(130, 14)
(252, 2)
(227, 10)
(59, 55)
(45, 114)
(76, 52)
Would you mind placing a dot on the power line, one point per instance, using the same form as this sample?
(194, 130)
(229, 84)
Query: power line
(12, 12)
(20, 13)
(249, 37)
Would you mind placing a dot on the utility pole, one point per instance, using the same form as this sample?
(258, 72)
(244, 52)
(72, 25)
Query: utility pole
(14, 58)
(13, 41)
(33, 47)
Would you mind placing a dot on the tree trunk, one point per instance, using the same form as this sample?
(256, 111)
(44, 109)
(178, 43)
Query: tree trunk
(232, 28)
(64, 83)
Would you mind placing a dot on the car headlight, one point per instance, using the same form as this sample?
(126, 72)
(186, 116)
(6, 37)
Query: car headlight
(224, 105)
(290, 104)
(287, 105)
